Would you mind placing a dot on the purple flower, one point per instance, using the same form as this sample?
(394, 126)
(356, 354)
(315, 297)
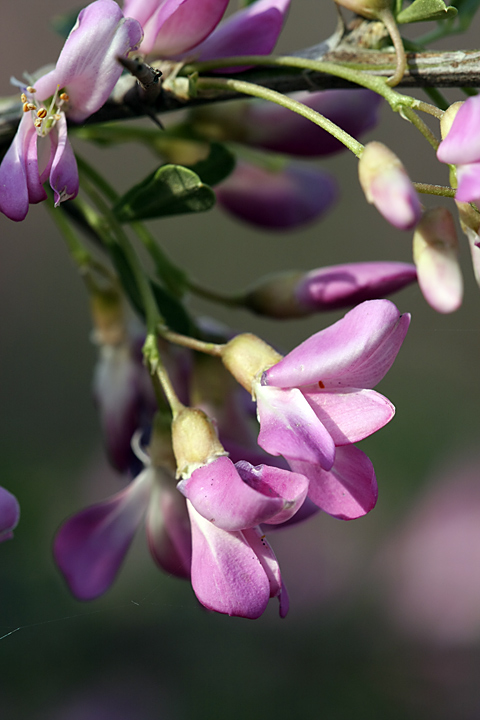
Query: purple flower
(295, 294)
(275, 128)
(277, 199)
(90, 547)
(82, 80)
(318, 400)
(234, 570)
(461, 147)
(386, 185)
(9, 514)
(176, 28)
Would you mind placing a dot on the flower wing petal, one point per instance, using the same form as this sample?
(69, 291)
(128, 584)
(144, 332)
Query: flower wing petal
(90, 546)
(180, 26)
(349, 490)
(290, 427)
(168, 528)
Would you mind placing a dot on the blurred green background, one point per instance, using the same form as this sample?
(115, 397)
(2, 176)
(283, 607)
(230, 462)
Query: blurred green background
(355, 644)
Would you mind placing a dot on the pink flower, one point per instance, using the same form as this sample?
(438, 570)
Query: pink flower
(461, 147)
(289, 197)
(82, 80)
(9, 514)
(176, 28)
(234, 570)
(318, 400)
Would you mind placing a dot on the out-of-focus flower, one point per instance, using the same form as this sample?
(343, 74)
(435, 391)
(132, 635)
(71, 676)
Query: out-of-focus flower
(277, 199)
(295, 294)
(234, 570)
(314, 403)
(90, 547)
(276, 128)
(176, 28)
(82, 80)
(435, 252)
(432, 588)
(461, 147)
(386, 185)
(9, 514)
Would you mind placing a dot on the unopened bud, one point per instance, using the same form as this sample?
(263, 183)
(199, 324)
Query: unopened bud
(195, 441)
(386, 185)
(295, 294)
(367, 8)
(448, 117)
(435, 253)
(247, 356)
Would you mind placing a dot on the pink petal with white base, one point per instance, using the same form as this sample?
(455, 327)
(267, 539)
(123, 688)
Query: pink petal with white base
(468, 178)
(350, 415)
(462, 143)
(90, 547)
(64, 172)
(349, 490)
(289, 427)
(356, 351)
(227, 575)
(171, 33)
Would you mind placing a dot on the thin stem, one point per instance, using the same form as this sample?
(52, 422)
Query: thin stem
(430, 109)
(273, 96)
(214, 296)
(207, 348)
(439, 190)
(411, 115)
(176, 405)
(438, 98)
(388, 20)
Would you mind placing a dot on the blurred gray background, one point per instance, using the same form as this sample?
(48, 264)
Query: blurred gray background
(372, 632)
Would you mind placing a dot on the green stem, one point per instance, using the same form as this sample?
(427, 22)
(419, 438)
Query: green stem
(207, 348)
(388, 20)
(214, 296)
(247, 88)
(438, 190)
(411, 115)
(172, 276)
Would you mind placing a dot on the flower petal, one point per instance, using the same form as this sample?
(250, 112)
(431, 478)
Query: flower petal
(468, 177)
(266, 556)
(291, 487)
(254, 30)
(64, 172)
(89, 547)
(349, 490)
(356, 351)
(178, 26)
(168, 527)
(289, 427)
(19, 177)
(462, 143)
(9, 514)
(88, 65)
(218, 492)
(283, 199)
(227, 575)
(350, 415)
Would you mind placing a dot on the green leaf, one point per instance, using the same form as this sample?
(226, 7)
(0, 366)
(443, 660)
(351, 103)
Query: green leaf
(170, 190)
(466, 11)
(421, 10)
(216, 167)
(62, 24)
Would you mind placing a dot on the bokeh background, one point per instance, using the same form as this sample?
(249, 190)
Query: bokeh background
(385, 611)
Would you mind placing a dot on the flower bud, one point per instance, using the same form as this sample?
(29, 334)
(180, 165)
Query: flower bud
(247, 356)
(367, 8)
(435, 252)
(296, 294)
(446, 121)
(195, 441)
(282, 199)
(386, 185)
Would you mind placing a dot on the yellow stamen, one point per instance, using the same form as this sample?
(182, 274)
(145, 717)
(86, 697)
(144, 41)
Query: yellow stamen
(23, 98)
(31, 89)
(64, 97)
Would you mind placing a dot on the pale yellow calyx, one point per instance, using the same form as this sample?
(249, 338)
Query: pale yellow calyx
(448, 117)
(195, 441)
(247, 357)
(108, 314)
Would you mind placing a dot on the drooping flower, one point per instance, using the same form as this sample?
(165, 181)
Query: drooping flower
(294, 294)
(282, 199)
(319, 399)
(234, 570)
(386, 185)
(9, 514)
(177, 28)
(90, 547)
(82, 80)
